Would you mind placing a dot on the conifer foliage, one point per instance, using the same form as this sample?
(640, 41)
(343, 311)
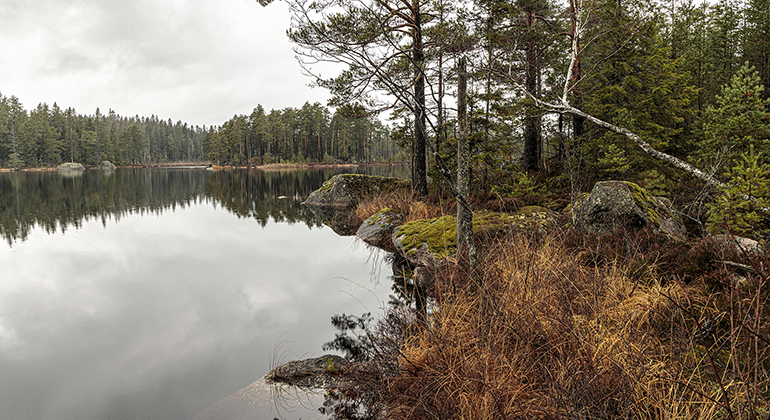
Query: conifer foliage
(741, 119)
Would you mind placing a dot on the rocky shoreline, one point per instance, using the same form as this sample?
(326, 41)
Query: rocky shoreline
(427, 245)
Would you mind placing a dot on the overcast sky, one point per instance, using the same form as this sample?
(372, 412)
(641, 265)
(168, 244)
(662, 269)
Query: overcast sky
(197, 61)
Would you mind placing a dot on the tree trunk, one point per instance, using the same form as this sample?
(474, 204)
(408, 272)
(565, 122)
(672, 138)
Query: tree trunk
(464, 214)
(531, 158)
(419, 168)
(578, 122)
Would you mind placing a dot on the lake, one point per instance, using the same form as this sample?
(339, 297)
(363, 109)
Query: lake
(154, 293)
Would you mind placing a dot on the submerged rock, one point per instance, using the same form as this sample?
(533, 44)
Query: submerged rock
(346, 190)
(323, 372)
(377, 230)
(70, 166)
(614, 205)
(107, 165)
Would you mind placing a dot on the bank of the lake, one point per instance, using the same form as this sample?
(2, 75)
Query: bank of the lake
(608, 308)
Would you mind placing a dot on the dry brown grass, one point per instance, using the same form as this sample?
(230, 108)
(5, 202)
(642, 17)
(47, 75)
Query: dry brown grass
(536, 334)
(401, 202)
(573, 326)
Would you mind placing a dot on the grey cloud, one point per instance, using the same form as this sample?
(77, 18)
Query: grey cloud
(200, 62)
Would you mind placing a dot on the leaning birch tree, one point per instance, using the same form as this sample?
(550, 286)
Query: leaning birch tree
(571, 84)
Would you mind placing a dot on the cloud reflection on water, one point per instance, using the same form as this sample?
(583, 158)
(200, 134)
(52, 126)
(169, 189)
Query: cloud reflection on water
(158, 316)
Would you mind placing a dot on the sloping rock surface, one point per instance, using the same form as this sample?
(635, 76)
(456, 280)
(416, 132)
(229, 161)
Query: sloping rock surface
(423, 242)
(320, 372)
(377, 230)
(345, 190)
(614, 205)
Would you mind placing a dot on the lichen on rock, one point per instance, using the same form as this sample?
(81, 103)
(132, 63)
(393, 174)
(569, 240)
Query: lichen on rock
(70, 166)
(107, 165)
(612, 205)
(377, 230)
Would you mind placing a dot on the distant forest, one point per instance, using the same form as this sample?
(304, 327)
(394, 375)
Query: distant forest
(310, 133)
(48, 136)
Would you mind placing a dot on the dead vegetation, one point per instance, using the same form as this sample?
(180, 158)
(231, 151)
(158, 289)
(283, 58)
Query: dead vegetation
(566, 325)
(401, 202)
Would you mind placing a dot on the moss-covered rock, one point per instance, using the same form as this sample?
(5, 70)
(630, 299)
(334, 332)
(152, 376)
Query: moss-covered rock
(346, 190)
(613, 205)
(422, 241)
(377, 230)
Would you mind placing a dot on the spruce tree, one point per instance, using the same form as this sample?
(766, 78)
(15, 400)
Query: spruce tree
(757, 39)
(634, 83)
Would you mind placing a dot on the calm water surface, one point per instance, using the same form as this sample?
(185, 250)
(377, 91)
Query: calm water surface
(153, 294)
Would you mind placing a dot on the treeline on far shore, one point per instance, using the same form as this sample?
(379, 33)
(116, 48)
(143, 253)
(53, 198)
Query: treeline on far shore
(49, 135)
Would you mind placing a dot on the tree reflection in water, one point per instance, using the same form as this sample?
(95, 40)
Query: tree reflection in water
(57, 202)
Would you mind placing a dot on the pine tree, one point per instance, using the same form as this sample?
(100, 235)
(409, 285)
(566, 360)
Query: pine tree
(732, 211)
(740, 121)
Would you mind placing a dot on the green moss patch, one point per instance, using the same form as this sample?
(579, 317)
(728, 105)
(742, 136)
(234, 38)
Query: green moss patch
(647, 204)
(440, 233)
(383, 216)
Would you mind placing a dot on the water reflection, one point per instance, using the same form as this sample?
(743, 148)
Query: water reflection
(56, 202)
(135, 296)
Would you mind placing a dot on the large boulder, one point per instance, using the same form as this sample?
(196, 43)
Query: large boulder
(70, 167)
(737, 245)
(346, 190)
(377, 230)
(107, 165)
(614, 205)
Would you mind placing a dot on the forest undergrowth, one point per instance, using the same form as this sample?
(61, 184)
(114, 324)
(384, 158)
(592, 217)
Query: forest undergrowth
(562, 324)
